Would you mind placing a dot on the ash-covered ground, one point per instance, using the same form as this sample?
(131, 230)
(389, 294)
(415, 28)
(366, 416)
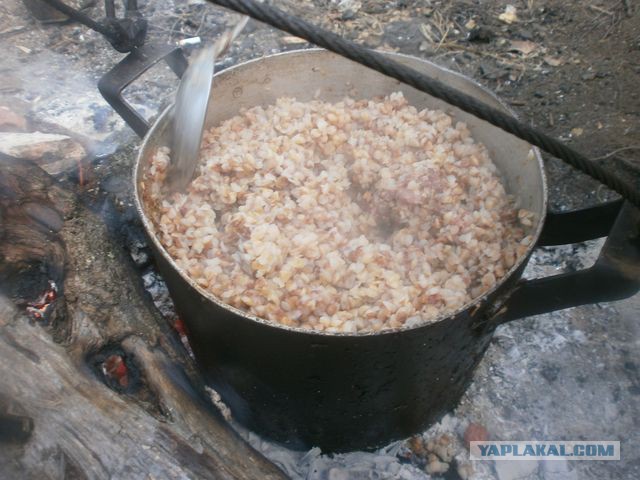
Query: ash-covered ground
(570, 68)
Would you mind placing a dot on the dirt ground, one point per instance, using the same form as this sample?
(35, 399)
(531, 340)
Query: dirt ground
(571, 68)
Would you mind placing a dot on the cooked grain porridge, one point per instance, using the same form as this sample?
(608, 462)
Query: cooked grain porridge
(343, 217)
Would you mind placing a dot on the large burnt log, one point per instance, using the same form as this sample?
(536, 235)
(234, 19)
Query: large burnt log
(93, 381)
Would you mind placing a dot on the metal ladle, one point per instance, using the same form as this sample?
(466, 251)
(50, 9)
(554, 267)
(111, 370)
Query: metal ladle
(190, 110)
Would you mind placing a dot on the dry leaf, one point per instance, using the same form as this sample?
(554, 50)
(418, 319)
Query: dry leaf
(290, 39)
(425, 29)
(385, 47)
(510, 15)
(525, 47)
(552, 61)
(576, 132)
(470, 25)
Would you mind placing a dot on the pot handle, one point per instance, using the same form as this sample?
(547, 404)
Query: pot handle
(129, 69)
(614, 276)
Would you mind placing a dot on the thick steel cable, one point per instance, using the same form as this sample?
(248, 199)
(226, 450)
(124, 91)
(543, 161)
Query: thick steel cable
(369, 58)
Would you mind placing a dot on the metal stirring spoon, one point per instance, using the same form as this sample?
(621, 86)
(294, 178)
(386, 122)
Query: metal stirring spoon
(190, 110)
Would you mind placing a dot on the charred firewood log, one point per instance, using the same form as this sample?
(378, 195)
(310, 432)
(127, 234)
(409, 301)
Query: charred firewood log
(93, 382)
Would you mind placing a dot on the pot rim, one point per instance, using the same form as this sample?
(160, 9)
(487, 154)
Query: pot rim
(150, 229)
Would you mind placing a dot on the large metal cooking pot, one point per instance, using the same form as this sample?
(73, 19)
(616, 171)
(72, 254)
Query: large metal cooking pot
(359, 391)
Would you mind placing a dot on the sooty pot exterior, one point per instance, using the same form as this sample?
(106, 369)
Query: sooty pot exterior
(360, 391)
(338, 392)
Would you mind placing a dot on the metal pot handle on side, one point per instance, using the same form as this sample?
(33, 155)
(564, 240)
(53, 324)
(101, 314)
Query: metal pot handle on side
(141, 59)
(614, 276)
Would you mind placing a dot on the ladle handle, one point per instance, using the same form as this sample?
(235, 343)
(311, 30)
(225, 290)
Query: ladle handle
(614, 276)
(141, 59)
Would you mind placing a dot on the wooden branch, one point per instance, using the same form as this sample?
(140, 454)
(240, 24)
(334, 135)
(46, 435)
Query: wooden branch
(110, 389)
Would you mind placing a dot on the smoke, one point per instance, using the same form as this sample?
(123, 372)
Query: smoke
(59, 94)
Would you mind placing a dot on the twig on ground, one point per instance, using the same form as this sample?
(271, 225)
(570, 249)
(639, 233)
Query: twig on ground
(11, 30)
(601, 10)
(444, 37)
(615, 152)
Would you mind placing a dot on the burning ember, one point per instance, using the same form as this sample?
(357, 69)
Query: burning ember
(41, 308)
(115, 369)
(180, 327)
